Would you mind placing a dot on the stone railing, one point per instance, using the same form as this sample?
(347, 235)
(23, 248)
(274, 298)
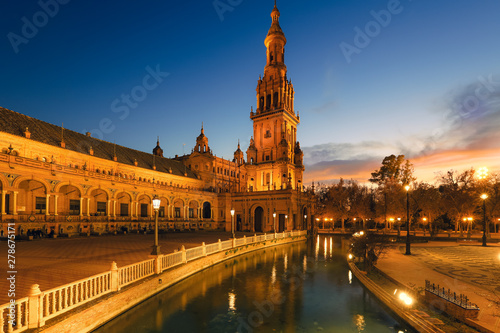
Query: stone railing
(33, 311)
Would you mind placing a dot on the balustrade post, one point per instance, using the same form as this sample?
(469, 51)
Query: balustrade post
(245, 240)
(184, 257)
(115, 279)
(220, 245)
(234, 242)
(157, 264)
(35, 307)
(204, 249)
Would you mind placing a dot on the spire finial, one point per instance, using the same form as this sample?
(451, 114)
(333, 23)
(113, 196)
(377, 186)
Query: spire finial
(158, 140)
(202, 129)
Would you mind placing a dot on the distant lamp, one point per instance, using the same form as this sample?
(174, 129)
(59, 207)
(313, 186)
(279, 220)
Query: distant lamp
(484, 196)
(156, 207)
(232, 221)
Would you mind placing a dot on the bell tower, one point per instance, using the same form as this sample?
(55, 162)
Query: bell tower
(274, 120)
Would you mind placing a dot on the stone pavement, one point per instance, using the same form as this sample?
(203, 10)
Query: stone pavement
(54, 262)
(468, 269)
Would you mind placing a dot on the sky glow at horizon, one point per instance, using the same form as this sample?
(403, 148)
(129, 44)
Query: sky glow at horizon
(424, 80)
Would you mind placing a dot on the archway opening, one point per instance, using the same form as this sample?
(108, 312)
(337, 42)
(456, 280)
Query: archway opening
(259, 217)
(207, 210)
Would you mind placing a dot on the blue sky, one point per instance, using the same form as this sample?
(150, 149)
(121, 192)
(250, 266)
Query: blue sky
(402, 93)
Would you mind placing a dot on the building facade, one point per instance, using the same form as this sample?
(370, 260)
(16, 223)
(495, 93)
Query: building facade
(58, 181)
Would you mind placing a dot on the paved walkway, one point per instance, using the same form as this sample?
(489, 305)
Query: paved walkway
(468, 269)
(54, 262)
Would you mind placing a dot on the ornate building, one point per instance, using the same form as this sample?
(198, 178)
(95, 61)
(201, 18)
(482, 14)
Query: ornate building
(63, 182)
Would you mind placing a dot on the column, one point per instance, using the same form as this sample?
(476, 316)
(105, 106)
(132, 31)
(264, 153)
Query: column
(88, 207)
(14, 204)
(3, 202)
(109, 208)
(55, 204)
(81, 207)
(136, 204)
(114, 208)
(47, 205)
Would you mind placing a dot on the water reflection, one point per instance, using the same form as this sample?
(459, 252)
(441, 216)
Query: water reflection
(282, 289)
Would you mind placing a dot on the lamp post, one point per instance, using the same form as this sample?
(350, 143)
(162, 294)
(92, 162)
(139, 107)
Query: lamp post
(484, 196)
(305, 222)
(156, 207)
(408, 245)
(286, 222)
(232, 221)
(274, 221)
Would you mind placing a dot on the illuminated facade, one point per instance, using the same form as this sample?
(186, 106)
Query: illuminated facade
(63, 182)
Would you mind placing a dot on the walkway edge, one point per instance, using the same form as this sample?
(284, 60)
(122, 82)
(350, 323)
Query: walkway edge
(420, 324)
(97, 315)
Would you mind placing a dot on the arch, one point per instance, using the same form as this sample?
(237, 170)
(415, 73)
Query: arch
(144, 204)
(193, 209)
(258, 219)
(99, 202)
(18, 180)
(207, 210)
(58, 187)
(179, 208)
(32, 197)
(3, 181)
(268, 101)
(275, 99)
(123, 203)
(69, 202)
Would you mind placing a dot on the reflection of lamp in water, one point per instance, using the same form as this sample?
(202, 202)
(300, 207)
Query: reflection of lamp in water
(273, 275)
(350, 277)
(232, 301)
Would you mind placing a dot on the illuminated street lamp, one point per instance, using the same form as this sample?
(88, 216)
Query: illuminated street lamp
(484, 196)
(408, 250)
(286, 222)
(482, 173)
(274, 220)
(156, 207)
(232, 221)
(305, 222)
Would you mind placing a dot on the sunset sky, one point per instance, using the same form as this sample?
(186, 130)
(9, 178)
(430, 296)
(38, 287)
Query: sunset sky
(372, 78)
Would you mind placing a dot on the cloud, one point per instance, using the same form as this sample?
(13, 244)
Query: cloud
(468, 136)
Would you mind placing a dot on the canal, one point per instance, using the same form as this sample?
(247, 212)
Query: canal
(302, 287)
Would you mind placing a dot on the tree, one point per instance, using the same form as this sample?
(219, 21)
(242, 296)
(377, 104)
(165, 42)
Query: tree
(458, 191)
(394, 168)
(370, 247)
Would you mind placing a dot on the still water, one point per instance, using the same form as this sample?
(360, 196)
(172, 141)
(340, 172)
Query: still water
(303, 287)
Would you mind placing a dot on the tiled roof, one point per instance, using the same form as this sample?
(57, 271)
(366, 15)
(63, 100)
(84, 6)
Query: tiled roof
(15, 123)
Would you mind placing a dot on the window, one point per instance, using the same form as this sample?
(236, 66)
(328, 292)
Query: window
(144, 210)
(191, 213)
(177, 212)
(123, 209)
(74, 207)
(267, 157)
(161, 212)
(101, 208)
(40, 205)
(268, 134)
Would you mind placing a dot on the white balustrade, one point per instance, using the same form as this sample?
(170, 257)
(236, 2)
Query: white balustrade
(56, 301)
